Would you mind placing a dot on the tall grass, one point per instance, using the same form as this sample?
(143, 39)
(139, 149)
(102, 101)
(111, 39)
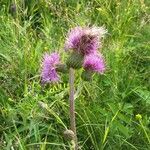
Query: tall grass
(106, 107)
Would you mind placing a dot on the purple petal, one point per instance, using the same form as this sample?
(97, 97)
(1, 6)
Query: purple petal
(84, 40)
(94, 62)
(49, 63)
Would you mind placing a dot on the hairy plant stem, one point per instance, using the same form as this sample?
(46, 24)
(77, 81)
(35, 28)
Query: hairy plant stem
(72, 106)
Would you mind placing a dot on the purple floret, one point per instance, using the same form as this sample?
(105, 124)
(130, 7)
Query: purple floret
(73, 38)
(94, 62)
(49, 63)
(84, 40)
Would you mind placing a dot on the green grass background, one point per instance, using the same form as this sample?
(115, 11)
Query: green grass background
(106, 107)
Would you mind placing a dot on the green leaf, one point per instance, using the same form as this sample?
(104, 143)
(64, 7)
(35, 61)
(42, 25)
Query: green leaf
(123, 129)
(144, 94)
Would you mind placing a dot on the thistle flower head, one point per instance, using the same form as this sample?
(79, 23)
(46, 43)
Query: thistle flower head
(94, 63)
(49, 63)
(73, 38)
(84, 40)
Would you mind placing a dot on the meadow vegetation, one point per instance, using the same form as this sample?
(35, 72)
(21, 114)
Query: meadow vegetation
(112, 111)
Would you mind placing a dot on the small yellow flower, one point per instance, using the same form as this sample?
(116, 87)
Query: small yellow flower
(138, 116)
(45, 48)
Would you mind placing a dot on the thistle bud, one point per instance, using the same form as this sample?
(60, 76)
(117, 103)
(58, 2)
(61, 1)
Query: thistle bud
(75, 60)
(13, 9)
(69, 134)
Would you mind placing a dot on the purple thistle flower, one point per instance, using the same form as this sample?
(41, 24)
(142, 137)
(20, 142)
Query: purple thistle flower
(49, 63)
(94, 62)
(74, 37)
(84, 40)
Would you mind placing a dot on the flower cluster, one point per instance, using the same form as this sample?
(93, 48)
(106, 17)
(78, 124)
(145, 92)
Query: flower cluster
(86, 41)
(83, 43)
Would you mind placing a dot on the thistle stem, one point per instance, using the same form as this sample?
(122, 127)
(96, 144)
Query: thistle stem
(72, 106)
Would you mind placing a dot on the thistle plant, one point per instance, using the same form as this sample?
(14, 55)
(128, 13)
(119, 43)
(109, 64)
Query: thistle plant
(81, 45)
